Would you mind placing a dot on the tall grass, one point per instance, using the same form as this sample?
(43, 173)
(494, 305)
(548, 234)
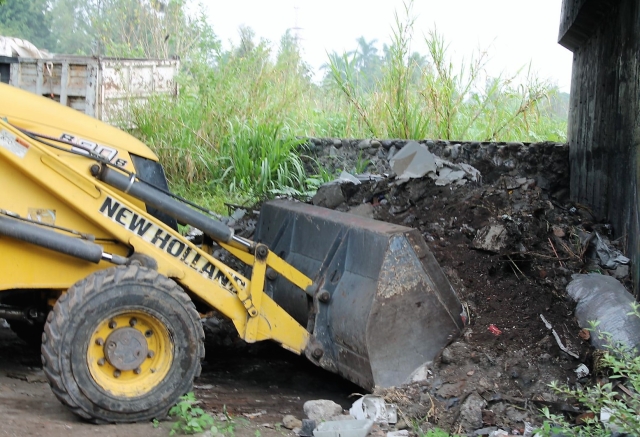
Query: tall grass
(237, 123)
(439, 99)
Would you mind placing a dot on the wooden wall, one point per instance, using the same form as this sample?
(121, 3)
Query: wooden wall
(604, 114)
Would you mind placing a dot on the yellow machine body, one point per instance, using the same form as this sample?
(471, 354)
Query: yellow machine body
(340, 290)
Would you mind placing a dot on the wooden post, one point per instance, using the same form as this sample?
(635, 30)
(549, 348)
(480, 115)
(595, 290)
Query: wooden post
(604, 114)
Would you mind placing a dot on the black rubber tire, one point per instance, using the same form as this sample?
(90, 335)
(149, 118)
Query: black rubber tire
(29, 333)
(94, 299)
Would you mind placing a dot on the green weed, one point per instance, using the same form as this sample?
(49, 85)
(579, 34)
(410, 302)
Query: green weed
(191, 419)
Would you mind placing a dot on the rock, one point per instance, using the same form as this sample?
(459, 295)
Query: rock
(364, 144)
(516, 416)
(558, 232)
(375, 144)
(447, 356)
(471, 412)
(321, 410)
(337, 143)
(363, 210)
(492, 238)
(291, 422)
(329, 196)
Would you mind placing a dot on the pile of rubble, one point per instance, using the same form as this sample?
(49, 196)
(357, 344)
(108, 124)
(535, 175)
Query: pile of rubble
(498, 219)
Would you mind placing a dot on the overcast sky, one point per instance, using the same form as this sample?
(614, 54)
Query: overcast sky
(514, 32)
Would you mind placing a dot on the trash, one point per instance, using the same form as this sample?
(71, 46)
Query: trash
(607, 257)
(344, 428)
(557, 337)
(581, 371)
(321, 409)
(422, 373)
(604, 300)
(494, 330)
(373, 407)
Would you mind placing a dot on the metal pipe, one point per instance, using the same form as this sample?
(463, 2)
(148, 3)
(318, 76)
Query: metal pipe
(52, 240)
(157, 199)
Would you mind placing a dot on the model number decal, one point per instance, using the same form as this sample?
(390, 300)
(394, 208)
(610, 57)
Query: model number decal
(83, 146)
(162, 239)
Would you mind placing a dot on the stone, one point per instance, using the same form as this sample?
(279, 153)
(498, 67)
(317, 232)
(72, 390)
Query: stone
(363, 210)
(337, 143)
(291, 422)
(364, 144)
(329, 196)
(471, 412)
(375, 144)
(321, 409)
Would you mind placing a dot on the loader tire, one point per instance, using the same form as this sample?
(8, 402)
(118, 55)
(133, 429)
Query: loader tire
(122, 345)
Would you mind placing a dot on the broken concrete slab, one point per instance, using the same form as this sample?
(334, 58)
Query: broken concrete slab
(492, 238)
(413, 161)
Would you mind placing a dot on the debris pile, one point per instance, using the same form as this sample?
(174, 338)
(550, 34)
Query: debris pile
(498, 220)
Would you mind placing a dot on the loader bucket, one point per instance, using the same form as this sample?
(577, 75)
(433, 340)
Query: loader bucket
(380, 307)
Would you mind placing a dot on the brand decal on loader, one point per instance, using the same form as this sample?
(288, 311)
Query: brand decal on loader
(162, 239)
(83, 146)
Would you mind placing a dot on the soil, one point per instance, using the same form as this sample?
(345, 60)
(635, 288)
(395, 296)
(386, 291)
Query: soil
(495, 375)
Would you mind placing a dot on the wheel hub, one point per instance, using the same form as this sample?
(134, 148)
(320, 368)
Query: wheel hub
(126, 348)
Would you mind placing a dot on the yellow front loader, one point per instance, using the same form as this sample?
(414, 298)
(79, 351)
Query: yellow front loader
(94, 271)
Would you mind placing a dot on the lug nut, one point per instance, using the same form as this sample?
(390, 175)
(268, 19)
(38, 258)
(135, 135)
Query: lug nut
(101, 362)
(116, 373)
(137, 370)
(150, 354)
(99, 341)
(148, 333)
(133, 321)
(317, 353)
(324, 296)
(271, 274)
(112, 324)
